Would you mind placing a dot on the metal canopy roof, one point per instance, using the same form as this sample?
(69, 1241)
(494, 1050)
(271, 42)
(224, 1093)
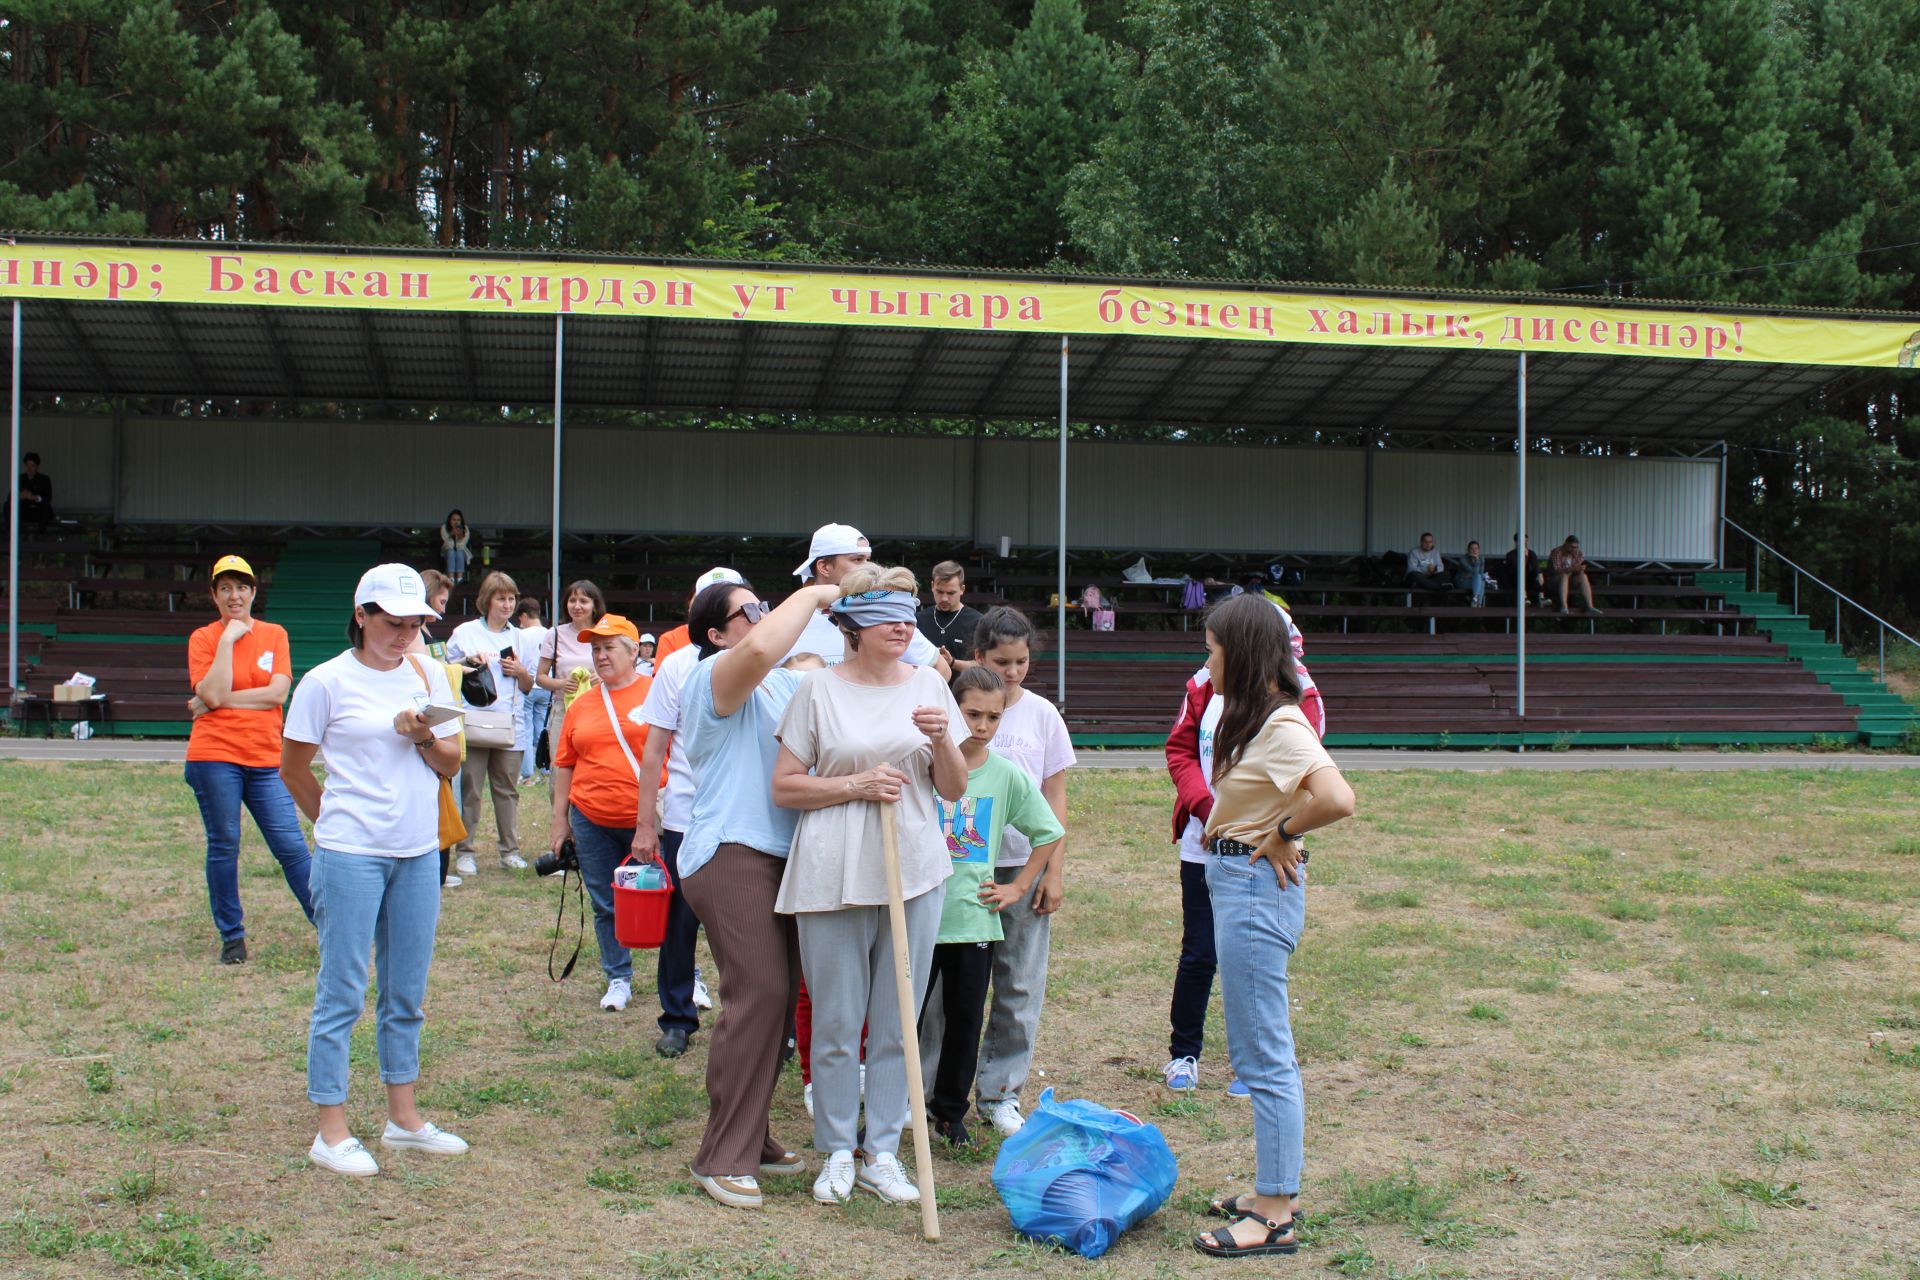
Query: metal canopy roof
(198, 351)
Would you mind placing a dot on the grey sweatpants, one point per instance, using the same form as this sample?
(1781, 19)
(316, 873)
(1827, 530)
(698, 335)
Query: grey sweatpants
(848, 959)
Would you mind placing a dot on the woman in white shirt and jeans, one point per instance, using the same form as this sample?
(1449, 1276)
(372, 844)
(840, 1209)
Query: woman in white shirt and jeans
(375, 879)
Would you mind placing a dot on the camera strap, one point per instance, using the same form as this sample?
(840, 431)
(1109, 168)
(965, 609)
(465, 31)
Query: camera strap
(553, 948)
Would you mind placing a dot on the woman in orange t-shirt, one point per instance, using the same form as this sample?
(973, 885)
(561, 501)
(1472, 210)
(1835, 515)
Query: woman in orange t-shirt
(596, 785)
(241, 670)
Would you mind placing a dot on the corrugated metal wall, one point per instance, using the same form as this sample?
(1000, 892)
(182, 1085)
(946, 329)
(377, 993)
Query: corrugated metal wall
(1122, 496)
(1620, 508)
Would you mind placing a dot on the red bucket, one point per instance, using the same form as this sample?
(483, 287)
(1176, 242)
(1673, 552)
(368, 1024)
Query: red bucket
(640, 915)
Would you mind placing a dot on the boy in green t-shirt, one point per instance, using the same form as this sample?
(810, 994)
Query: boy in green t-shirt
(999, 795)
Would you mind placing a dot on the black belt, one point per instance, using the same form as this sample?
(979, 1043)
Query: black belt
(1225, 848)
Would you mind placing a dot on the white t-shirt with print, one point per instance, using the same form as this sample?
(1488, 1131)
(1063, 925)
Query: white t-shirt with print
(380, 798)
(1033, 736)
(662, 710)
(824, 637)
(473, 636)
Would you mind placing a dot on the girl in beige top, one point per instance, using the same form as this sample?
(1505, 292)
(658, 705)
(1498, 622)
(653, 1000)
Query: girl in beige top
(869, 733)
(1273, 782)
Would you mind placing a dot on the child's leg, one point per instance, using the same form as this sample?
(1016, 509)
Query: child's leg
(1193, 979)
(965, 969)
(1019, 988)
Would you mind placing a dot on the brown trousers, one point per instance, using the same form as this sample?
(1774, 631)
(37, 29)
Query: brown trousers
(758, 954)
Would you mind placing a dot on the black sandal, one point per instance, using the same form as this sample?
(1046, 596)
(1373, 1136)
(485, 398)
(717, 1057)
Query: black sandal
(1230, 1208)
(1280, 1239)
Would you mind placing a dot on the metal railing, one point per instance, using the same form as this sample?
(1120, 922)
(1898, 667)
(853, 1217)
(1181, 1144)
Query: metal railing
(1840, 598)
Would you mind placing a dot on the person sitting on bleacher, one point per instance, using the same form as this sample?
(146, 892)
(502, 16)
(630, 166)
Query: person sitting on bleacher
(1568, 562)
(1426, 571)
(36, 492)
(1527, 578)
(1470, 575)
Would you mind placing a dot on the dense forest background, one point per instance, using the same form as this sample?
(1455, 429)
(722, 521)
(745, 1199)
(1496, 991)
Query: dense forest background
(1762, 151)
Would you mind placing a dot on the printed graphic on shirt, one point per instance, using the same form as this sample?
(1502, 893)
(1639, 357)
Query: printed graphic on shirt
(634, 717)
(265, 660)
(962, 822)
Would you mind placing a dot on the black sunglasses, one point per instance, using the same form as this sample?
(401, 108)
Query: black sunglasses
(752, 611)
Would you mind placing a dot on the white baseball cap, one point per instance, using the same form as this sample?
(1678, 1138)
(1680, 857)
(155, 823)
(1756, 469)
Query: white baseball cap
(648, 639)
(397, 589)
(715, 576)
(831, 540)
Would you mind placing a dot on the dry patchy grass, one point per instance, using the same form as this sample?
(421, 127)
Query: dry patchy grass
(1551, 1025)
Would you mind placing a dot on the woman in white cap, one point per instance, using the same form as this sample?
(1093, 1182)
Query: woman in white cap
(376, 828)
(869, 733)
(241, 669)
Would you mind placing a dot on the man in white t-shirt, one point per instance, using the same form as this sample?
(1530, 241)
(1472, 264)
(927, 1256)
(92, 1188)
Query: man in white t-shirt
(836, 550)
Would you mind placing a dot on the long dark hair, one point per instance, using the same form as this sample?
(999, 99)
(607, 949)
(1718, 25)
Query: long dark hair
(1000, 625)
(447, 524)
(709, 613)
(1257, 675)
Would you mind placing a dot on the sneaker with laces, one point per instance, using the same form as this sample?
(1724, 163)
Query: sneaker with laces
(701, 999)
(465, 865)
(885, 1178)
(740, 1191)
(451, 882)
(513, 862)
(806, 1096)
(1005, 1116)
(835, 1183)
(348, 1157)
(428, 1137)
(619, 991)
(1183, 1074)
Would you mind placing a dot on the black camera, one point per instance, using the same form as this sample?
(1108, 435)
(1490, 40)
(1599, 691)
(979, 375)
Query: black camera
(549, 864)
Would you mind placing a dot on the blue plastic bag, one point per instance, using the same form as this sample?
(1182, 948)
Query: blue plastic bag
(1078, 1174)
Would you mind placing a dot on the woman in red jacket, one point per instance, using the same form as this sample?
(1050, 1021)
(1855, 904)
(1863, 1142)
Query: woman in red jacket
(1190, 760)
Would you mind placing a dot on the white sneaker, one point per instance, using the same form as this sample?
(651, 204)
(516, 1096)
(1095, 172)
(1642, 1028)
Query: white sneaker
(514, 862)
(806, 1096)
(701, 1000)
(451, 882)
(349, 1157)
(465, 865)
(428, 1137)
(619, 991)
(1005, 1116)
(835, 1183)
(886, 1179)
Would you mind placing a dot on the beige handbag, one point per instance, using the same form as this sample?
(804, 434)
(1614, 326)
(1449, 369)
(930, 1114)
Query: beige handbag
(489, 728)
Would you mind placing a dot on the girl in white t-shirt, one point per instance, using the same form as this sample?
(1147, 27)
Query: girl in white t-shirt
(376, 829)
(1033, 736)
(493, 642)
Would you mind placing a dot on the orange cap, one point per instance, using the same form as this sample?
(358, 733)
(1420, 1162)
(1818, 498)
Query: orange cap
(611, 627)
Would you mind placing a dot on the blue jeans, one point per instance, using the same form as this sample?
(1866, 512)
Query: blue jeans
(529, 725)
(389, 906)
(600, 850)
(674, 978)
(456, 562)
(221, 789)
(1256, 923)
(1193, 978)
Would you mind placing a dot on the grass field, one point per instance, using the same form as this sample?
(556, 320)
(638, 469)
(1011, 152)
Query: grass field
(1551, 1025)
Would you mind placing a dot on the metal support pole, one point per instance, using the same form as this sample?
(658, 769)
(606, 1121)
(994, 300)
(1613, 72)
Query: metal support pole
(13, 532)
(1720, 525)
(1060, 620)
(1524, 561)
(1883, 653)
(559, 380)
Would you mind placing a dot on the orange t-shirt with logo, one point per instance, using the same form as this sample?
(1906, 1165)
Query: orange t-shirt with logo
(604, 788)
(235, 735)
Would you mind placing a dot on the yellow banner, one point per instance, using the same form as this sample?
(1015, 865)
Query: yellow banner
(371, 281)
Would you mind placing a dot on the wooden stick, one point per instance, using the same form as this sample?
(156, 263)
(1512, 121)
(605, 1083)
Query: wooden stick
(909, 1030)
